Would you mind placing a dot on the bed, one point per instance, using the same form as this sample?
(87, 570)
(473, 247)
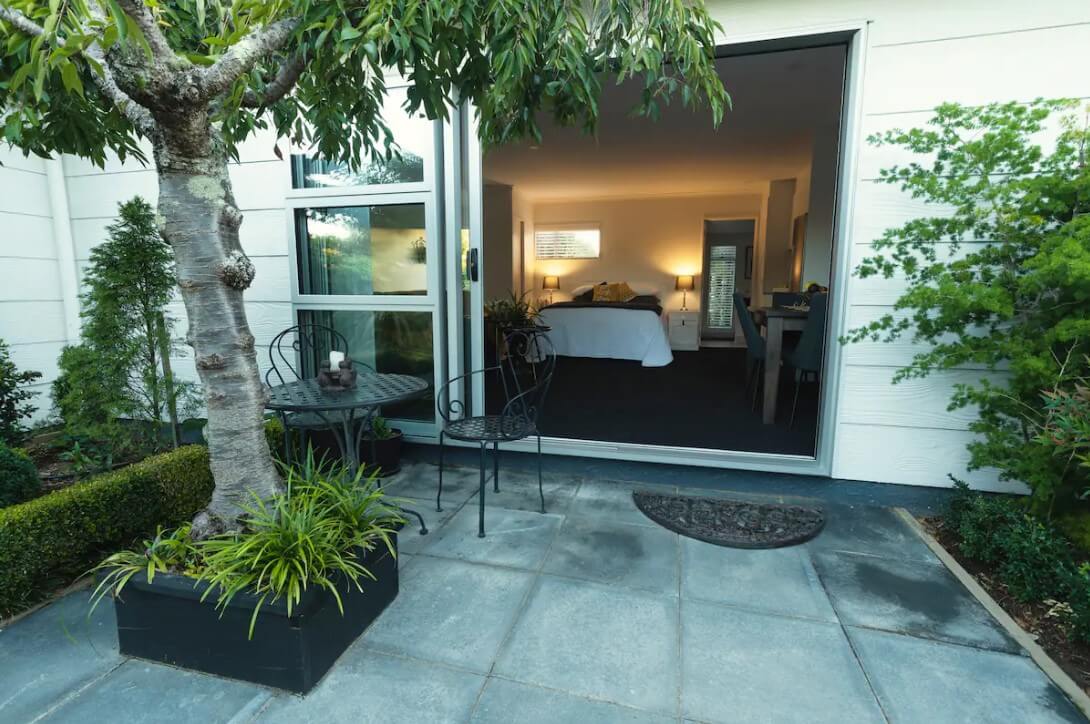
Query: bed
(631, 330)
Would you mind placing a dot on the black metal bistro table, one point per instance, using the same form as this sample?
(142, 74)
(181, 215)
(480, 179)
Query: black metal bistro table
(340, 409)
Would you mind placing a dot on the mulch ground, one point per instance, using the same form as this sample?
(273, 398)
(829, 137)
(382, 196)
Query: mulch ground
(1043, 620)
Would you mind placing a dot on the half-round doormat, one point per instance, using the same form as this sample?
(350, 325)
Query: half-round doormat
(733, 523)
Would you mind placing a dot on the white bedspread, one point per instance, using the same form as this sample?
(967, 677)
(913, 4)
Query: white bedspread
(634, 334)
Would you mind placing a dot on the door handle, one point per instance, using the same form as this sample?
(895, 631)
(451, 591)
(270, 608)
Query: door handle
(473, 266)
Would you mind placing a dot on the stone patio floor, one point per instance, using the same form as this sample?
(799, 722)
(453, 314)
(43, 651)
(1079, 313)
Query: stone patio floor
(591, 613)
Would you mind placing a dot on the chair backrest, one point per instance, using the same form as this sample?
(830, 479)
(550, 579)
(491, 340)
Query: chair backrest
(755, 343)
(788, 299)
(807, 355)
(293, 351)
(526, 374)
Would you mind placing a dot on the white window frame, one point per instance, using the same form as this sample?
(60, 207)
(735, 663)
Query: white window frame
(572, 226)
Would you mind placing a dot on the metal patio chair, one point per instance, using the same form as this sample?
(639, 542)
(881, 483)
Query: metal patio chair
(525, 374)
(290, 354)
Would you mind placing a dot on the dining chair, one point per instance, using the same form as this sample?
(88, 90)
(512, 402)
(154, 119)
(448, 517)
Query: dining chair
(806, 357)
(292, 352)
(788, 299)
(524, 375)
(755, 345)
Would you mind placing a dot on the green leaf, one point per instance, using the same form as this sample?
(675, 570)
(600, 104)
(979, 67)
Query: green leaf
(70, 78)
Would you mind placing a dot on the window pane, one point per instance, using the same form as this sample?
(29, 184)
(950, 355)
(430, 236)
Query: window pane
(362, 250)
(567, 243)
(413, 136)
(399, 342)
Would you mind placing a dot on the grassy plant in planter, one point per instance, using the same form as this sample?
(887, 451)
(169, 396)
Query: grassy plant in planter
(275, 602)
(381, 448)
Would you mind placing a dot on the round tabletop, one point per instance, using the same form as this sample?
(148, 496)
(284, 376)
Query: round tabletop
(371, 390)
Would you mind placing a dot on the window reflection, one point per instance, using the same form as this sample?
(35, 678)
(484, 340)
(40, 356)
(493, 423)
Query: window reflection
(397, 341)
(362, 250)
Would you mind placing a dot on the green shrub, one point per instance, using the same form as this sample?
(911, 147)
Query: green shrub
(14, 398)
(49, 541)
(1078, 599)
(19, 479)
(1036, 560)
(982, 524)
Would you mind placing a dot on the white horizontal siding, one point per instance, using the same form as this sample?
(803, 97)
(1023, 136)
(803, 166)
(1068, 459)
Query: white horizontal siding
(32, 320)
(260, 182)
(898, 21)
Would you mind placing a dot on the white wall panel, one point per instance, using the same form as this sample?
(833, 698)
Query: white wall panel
(260, 185)
(23, 192)
(26, 237)
(14, 159)
(264, 233)
(869, 397)
(898, 21)
(97, 197)
(272, 282)
(911, 456)
(25, 322)
(29, 280)
(89, 233)
(978, 70)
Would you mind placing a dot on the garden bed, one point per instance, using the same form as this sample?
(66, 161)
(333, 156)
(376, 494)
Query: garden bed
(1045, 621)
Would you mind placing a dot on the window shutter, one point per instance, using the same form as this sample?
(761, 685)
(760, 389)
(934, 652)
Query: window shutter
(722, 261)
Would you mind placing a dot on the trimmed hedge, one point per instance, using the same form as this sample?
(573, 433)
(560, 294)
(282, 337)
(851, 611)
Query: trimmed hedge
(47, 542)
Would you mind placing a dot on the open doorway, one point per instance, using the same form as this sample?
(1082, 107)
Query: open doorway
(684, 269)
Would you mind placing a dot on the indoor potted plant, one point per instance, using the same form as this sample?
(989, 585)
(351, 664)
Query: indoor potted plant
(505, 314)
(381, 448)
(255, 604)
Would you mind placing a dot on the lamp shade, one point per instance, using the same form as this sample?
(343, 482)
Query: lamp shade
(685, 283)
(550, 283)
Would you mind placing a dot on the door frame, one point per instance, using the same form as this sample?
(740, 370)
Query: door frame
(854, 35)
(740, 263)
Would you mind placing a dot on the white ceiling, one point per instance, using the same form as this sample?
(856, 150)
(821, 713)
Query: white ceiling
(778, 99)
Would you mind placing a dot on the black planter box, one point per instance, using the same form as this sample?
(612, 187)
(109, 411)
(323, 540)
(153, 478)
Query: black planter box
(166, 621)
(385, 454)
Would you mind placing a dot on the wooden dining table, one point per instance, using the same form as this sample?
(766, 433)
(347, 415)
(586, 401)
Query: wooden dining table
(776, 321)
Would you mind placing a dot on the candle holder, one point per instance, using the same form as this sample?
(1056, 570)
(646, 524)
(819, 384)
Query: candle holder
(342, 378)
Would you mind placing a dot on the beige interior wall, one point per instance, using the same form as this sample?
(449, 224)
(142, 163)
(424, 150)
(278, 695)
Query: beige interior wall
(777, 246)
(522, 235)
(644, 240)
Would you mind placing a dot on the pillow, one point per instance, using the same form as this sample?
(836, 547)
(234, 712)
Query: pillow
(585, 292)
(649, 300)
(621, 292)
(617, 292)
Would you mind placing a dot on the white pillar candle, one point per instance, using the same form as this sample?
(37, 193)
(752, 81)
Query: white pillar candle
(335, 359)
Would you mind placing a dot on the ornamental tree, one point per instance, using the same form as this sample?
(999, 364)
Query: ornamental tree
(998, 281)
(195, 78)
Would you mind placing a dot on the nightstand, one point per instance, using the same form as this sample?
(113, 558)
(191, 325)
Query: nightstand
(684, 330)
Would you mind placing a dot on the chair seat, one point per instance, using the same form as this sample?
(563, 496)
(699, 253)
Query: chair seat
(490, 427)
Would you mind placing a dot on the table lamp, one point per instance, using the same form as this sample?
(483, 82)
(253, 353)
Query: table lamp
(550, 284)
(685, 283)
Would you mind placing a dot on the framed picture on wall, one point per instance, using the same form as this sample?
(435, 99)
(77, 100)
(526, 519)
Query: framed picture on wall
(749, 262)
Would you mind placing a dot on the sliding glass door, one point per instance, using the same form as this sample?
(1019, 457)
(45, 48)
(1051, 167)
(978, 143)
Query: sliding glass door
(367, 260)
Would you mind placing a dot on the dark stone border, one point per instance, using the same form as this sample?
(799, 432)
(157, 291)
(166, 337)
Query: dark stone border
(675, 512)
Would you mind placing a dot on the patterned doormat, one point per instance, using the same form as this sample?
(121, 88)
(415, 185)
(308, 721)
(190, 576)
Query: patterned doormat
(732, 523)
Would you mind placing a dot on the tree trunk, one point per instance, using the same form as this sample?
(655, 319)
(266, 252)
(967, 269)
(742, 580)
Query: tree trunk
(199, 219)
(163, 337)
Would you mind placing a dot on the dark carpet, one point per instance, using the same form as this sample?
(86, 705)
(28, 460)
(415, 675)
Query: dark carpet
(733, 523)
(698, 401)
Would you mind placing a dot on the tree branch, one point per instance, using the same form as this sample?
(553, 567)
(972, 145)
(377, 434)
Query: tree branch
(139, 116)
(245, 54)
(149, 26)
(284, 81)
